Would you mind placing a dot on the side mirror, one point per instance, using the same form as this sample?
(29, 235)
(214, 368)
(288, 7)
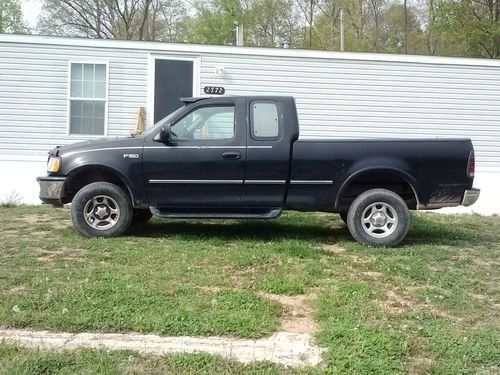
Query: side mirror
(164, 135)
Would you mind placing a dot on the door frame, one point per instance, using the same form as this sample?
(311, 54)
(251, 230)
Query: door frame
(150, 107)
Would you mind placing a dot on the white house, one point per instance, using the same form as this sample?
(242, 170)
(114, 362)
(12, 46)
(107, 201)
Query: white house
(55, 91)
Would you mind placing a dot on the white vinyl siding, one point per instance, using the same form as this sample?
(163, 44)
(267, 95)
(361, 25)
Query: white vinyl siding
(360, 99)
(338, 95)
(35, 90)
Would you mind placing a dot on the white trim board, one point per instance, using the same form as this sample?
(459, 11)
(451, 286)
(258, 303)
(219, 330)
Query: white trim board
(161, 47)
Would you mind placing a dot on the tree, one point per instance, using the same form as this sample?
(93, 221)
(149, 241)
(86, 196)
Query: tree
(376, 8)
(11, 17)
(327, 24)
(272, 23)
(397, 24)
(213, 21)
(308, 9)
(474, 22)
(119, 19)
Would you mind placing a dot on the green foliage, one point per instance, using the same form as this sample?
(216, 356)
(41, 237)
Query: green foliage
(11, 17)
(474, 23)
(436, 27)
(213, 22)
(15, 360)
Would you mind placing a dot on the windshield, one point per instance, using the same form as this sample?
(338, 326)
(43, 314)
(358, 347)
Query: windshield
(162, 122)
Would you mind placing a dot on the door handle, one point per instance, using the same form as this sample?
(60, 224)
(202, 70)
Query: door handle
(231, 155)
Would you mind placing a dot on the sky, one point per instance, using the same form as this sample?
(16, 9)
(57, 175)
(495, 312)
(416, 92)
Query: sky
(31, 10)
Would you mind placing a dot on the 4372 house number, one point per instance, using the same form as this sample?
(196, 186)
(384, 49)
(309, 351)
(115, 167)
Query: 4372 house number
(214, 90)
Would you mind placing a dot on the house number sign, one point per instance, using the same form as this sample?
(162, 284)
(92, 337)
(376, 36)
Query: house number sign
(214, 90)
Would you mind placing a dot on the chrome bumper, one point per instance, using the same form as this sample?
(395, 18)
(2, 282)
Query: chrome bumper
(470, 197)
(51, 189)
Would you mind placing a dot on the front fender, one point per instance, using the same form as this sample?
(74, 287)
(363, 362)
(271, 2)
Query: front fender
(108, 169)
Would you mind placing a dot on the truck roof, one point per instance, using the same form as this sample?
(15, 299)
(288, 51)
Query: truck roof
(189, 100)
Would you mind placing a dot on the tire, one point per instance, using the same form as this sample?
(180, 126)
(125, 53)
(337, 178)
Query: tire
(141, 216)
(343, 217)
(378, 218)
(101, 209)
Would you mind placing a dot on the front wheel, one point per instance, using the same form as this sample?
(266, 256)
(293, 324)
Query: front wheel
(378, 218)
(101, 209)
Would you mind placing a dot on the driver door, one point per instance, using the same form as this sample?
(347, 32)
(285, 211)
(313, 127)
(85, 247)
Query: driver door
(203, 165)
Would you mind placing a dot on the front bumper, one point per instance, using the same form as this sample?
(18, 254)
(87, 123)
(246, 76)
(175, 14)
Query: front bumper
(470, 197)
(51, 189)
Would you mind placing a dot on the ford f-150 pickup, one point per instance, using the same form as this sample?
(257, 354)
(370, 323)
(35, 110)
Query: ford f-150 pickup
(240, 157)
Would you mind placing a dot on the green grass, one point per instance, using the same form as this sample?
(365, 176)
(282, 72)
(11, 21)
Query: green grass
(17, 361)
(430, 306)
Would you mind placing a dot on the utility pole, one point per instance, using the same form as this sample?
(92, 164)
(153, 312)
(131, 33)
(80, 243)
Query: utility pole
(238, 33)
(341, 30)
(406, 29)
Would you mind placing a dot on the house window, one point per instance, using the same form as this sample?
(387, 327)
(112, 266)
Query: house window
(87, 99)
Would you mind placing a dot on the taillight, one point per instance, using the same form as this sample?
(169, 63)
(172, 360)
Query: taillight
(471, 164)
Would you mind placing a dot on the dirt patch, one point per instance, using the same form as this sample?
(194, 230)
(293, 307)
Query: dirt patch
(9, 234)
(339, 250)
(298, 315)
(45, 257)
(17, 289)
(373, 274)
(61, 224)
(40, 233)
(48, 255)
(335, 249)
(419, 365)
(398, 301)
(35, 218)
(485, 263)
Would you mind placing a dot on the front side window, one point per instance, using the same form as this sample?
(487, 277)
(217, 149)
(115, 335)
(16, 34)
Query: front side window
(87, 99)
(205, 123)
(265, 120)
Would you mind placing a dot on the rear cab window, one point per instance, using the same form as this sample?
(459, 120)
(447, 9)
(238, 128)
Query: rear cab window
(265, 120)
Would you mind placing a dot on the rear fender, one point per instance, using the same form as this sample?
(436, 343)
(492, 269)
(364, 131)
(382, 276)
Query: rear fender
(356, 171)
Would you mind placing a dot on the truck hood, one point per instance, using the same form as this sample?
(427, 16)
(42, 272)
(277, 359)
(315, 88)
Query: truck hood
(97, 144)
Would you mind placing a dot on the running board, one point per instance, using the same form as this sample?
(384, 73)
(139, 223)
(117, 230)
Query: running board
(216, 213)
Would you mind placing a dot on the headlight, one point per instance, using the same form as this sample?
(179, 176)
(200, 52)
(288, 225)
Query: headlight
(53, 164)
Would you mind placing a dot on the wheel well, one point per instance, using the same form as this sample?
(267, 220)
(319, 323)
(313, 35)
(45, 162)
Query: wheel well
(377, 180)
(81, 178)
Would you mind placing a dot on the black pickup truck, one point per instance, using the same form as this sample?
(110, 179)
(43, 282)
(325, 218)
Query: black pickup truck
(240, 157)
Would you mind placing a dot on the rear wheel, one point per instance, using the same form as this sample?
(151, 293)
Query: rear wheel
(378, 217)
(101, 209)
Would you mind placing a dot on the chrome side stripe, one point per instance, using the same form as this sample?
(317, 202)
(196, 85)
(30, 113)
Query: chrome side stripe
(271, 182)
(195, 181)
(228, 147)
(311, 182)
(247, 182)
(194, 147)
